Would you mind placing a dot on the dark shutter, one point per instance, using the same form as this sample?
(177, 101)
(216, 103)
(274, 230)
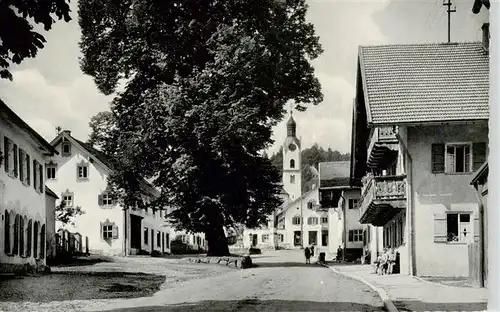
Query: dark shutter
(6, 153)
(479, 151)
(35, 168)
(101, 227)
(99, 200)
(42, 182)
(21, 165)
(7, 233)
(16, 159)
(437, 158)
(21, 237)
(16, 235)
(28, 169)
(351, 235)
(30, 238)
(43, 244)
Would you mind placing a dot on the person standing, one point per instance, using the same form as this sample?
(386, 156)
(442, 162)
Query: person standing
(307, 254)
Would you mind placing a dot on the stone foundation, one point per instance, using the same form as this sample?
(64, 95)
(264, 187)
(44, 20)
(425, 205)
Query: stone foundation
(237, 262)
(23, 269)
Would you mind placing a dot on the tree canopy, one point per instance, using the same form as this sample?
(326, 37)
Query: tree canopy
(205, 83)
(18, 40)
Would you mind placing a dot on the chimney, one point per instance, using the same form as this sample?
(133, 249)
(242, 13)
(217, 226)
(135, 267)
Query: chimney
(486, 36)
(68, 132)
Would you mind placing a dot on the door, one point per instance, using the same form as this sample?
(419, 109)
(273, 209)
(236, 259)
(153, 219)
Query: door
(324, 238)
(297, 238)
(313, 237)
(254, 240)
(152, 240)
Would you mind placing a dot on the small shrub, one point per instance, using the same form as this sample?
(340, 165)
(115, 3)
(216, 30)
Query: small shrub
(246, 262)
(254, 251)
(156, 253)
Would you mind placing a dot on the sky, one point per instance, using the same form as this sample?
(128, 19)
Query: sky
(50, 90)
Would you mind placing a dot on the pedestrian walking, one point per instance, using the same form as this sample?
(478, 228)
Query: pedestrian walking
(339, 254)
(307, 253)
(312, 250)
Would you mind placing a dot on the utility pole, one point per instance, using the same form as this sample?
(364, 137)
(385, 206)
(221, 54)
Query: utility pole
(448, 4)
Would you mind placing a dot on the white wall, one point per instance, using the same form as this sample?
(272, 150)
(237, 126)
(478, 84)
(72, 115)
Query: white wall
(15, 196)
(50, 204)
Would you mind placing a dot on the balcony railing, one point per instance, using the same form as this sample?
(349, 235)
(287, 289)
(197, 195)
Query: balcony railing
(380, 196)
(381, 145)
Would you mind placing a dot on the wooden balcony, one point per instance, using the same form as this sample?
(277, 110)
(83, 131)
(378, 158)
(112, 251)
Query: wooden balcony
(382, 198)
(383, 147)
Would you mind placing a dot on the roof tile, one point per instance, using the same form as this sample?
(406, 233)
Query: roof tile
(426, 82)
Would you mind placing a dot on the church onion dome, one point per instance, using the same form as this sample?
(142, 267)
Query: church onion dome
(291, 127)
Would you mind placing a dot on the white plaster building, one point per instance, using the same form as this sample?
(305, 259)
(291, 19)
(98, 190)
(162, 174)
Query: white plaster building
(416, 152)
(22, 193)
(79, 176)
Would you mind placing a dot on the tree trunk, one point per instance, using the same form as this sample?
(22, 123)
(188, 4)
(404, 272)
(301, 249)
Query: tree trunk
(217, 241)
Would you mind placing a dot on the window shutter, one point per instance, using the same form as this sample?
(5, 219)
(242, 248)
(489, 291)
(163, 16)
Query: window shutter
(440, 228)
(30, 237)
(102, 235)
(15, 160)
(21, 165)
(437, 158)
(16, 235)
(42, 182)
(99, 200)
(7, 233)
(21, 237)
(351, 235)
(6, 153)
(479, 151)
(34, 173)
(477, 228)
(115, 231)
(28, 169)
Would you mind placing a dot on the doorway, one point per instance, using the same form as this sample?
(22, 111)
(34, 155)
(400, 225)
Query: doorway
(324, 238)
(254, 240)
(313, 237)
(297, 238)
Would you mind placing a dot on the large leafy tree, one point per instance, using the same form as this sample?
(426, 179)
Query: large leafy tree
(18, 39)
(205, 83)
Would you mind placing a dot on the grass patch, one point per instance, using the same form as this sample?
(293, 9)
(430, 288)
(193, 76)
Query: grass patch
(60, 286)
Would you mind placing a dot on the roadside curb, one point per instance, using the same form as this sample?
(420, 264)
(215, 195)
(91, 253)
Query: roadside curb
(388, 304)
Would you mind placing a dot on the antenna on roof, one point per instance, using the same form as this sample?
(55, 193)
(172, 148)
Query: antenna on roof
(448, 4)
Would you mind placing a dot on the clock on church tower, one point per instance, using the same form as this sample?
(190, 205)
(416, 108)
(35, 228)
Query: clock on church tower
(292, 147)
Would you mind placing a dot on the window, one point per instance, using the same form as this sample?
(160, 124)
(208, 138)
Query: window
(22, 165)
(167, 240)
(458, 158)
(292, 163)
(353, 203)
(146, 235)
(312, 221)
(82, 171)
(265, 238)
(292, 179)
(310, 205)
(355, 235)
(324, 220)
(66, 149)
(38, 182)
(10, 157)
(296, 220)
(41, 181)
(158, 238)
(281, 238)
(458, 227)
(51, 171)
(67, 199)
(107, 231)
(105, 199)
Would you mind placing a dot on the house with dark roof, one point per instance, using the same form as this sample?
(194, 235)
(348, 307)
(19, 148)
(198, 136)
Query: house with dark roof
(24, 221)
(78, 174)
(338, 193)
(420, 131)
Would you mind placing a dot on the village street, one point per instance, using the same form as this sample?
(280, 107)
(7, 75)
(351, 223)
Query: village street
(280, 282)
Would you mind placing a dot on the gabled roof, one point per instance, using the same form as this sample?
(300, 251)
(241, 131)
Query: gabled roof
(104, 160)
(7, 114)
(334, 174)
(293, 202)
(51, 193)
(415, 83)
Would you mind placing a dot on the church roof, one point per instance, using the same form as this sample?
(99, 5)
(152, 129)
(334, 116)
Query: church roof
(334, 173)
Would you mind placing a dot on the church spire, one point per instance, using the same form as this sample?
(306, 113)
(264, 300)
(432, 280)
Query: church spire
(291, 126)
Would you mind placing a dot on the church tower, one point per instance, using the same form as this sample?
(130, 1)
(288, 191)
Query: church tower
(292, 177)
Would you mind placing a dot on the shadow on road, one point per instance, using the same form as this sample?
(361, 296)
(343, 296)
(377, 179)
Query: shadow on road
(416, 305)
(285, 265)
(257, 305)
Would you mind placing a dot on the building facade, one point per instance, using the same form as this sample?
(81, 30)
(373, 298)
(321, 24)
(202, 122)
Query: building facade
(23, 225)
(50, 216)
(78, 174)
(415, 148)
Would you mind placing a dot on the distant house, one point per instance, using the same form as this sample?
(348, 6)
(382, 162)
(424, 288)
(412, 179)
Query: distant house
(340, 197)
(78, 174)
(420, 131)
(23, 225)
